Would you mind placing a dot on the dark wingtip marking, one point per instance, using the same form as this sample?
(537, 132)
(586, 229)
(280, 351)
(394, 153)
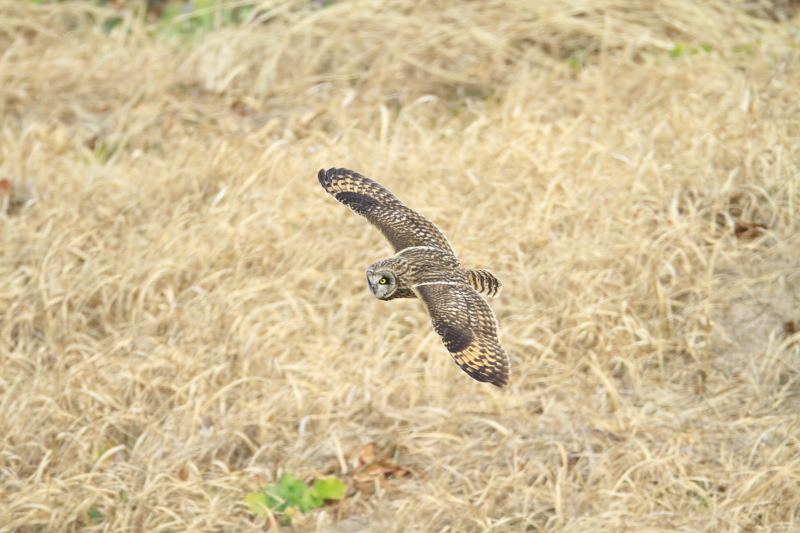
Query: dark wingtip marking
(356, 200)
(325, 177)
(499, 380)
(456, 339)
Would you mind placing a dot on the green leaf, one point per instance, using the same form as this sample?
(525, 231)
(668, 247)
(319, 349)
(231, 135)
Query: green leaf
(258, 503)
(678, 50)
(103, 154)
(94, 515)
(291, 488)
(330, 488)
(274, 501)
(111, 23)
(292, 494)
(171, 10)
(310, 501)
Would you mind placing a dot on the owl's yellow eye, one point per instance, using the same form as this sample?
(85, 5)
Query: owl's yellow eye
(382, 281)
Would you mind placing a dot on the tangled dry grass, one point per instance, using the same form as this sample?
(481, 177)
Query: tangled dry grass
(183, 312)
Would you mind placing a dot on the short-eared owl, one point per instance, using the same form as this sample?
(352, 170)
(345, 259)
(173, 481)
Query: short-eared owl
(426, 267)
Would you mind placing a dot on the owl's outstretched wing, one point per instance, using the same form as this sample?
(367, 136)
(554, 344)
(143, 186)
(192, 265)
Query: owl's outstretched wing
(468, 329)
(401, 226)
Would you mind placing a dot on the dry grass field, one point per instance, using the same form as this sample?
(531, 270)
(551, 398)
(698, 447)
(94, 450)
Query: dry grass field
(184, 315)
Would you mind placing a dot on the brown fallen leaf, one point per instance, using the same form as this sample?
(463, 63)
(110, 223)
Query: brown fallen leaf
(380, 471)
(366, 455)
(749, 230)
(10, 202)
(373, 464)
(790, 327)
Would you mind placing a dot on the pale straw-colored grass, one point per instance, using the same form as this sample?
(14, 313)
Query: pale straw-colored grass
(183, 312)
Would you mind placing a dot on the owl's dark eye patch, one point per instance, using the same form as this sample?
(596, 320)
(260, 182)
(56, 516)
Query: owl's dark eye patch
(383, 281)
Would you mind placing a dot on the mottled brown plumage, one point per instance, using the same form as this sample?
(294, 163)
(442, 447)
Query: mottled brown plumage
(425, 266)
(398, 224)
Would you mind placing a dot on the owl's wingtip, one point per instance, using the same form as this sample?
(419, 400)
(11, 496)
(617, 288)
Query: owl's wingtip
(325, 177)
(497, 377)
(500, 383)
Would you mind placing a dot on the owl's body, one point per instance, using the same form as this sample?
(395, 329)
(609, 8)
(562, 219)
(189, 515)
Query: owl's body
(418, 265)
(426, 267)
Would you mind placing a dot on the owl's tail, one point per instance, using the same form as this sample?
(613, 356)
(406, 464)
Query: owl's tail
(484, 282)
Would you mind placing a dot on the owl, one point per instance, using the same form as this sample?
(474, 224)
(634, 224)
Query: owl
(425, 266)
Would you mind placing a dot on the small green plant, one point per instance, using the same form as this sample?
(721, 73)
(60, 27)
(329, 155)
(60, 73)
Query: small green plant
(681, 48)
(744, 50)
(93, 515)
(291, 495)
(203, 15)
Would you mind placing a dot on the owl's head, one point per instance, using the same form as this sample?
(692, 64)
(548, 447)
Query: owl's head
(382, 283)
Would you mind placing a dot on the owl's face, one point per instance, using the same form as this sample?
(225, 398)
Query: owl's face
(382, 283)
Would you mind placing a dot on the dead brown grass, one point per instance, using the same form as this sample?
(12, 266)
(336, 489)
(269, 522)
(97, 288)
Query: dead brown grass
(183, 314)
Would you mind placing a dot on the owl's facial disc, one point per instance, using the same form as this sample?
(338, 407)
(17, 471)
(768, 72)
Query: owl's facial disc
(382, 283)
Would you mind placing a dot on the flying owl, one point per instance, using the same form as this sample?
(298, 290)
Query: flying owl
(426, 267)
